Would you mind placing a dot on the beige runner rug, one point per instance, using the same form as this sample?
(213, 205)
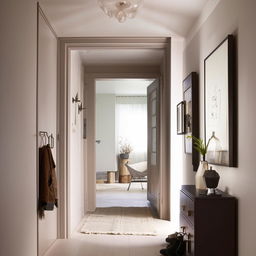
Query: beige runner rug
(120, 221)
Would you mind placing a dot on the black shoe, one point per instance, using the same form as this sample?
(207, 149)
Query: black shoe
(171, 241)
(174, 235)
(181, 249)
(171, 250)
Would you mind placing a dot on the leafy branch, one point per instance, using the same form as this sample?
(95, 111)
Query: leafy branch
(200, 145)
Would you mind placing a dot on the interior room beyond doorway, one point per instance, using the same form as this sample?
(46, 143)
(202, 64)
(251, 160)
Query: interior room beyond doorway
(121, 140)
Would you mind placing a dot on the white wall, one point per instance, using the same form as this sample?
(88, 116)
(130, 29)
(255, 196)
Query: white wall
(177, 45)
(47, 116)
(238, 17)
(18, 215)
(76, 163)
(105, 132)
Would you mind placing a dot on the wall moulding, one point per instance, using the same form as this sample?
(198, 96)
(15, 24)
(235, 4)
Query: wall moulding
(68, 44)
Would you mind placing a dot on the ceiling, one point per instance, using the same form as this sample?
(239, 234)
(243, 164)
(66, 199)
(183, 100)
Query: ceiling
(143, 57)
(131, 87)
(162, 18)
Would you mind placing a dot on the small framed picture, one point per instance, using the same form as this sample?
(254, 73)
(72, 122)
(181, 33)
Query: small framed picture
(181, 118)
(191, 113)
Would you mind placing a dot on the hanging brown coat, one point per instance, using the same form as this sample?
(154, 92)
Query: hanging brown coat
(47, 181)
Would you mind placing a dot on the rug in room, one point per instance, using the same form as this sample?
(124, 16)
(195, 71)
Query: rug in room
(120, 221)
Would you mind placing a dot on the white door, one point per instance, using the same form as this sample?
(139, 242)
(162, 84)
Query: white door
(47, 117)
(105, 133)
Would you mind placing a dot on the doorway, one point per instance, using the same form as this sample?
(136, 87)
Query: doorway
(121, 142)
(66, 46)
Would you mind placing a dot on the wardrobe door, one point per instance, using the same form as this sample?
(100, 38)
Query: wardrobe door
(47, 116)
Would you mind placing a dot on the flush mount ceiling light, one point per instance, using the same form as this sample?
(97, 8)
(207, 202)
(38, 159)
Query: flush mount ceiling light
(121, 9)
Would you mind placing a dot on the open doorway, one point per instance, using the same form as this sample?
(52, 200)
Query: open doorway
(127, 158)
(142, 59)
(121, 142)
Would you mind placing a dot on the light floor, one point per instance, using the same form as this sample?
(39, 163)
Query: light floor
(114, 245)
(116, 195)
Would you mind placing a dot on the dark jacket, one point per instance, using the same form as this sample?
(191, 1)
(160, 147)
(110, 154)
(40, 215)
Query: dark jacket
(47, 181)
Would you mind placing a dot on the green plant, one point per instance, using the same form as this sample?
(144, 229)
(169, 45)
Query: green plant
(200, 145)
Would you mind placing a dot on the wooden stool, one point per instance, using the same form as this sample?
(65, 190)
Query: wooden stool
(111, 177)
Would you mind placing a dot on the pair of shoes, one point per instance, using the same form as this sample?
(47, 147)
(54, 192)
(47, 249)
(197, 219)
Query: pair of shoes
(176, 247)
(170, 237)
(171, 250)
(173, 236)
(181, 249)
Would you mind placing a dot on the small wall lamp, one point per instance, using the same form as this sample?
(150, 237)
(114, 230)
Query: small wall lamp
(75, 99)
(80, 107)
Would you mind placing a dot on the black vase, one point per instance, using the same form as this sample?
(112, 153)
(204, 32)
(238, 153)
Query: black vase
(211, 180)
(124, 156)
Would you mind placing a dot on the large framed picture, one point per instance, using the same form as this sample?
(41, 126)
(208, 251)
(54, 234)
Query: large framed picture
(220, 105)
(191, 102)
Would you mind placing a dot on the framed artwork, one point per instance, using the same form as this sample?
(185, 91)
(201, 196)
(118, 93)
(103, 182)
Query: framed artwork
(219, 99)
(181, 118)
(191, 126)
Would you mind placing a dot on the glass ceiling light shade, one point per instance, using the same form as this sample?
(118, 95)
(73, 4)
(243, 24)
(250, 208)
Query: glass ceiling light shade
(121, 9)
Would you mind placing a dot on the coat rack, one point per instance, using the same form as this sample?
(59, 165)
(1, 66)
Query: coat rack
(47, 139)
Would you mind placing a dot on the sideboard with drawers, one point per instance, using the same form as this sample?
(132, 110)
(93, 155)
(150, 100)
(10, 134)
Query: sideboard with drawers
(209, 221)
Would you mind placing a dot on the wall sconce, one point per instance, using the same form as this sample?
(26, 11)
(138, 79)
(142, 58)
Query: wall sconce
(76, 99)
(80, 107)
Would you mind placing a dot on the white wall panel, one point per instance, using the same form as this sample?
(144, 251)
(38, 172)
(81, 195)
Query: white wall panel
(47, 116)
(18, 215)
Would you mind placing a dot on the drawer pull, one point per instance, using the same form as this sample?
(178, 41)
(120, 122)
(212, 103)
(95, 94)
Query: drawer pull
(183, 207)
(190, 213)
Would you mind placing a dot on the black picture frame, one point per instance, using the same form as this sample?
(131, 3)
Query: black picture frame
(191, 101)
(220, 104)
(181, 118)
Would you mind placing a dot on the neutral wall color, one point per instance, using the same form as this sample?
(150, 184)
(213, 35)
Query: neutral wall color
(105, 132)
(123, 69)
(176, 141)
(90, 99)
(18, 215)
(237, 17)
(76, 163)
(47, 116)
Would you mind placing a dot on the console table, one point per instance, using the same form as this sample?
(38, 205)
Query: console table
(211, 222)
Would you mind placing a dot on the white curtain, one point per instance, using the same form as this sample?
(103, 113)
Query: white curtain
(131, 125)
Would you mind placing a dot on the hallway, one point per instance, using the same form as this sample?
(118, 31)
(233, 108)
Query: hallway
(166, 39)
(109, 195)
(108, 245)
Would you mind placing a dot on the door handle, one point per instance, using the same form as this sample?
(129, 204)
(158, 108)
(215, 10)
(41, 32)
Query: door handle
(98, 141)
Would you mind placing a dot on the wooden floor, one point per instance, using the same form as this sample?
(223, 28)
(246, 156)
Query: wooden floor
(114, 245)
